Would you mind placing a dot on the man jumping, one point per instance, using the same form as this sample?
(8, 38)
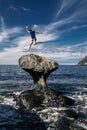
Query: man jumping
(33, 36)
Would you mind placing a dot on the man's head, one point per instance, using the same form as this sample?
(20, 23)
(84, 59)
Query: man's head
(28, 29)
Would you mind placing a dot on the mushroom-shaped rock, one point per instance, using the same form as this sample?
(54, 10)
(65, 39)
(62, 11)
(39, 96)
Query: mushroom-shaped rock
(39, 67)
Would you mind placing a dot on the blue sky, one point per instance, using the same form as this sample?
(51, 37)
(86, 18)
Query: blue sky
(63, 24)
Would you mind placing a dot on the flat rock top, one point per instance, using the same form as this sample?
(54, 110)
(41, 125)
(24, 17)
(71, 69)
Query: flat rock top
(37, 63)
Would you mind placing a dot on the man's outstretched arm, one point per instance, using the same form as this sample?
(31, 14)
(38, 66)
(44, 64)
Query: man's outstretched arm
(38, 32)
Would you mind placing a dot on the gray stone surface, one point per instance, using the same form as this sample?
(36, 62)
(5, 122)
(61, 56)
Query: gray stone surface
(47, 97)
(38, 67)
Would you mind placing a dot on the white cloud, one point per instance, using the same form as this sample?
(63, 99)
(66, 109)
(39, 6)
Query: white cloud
(25, 9)
(3, 26)
(12, 54)
(63, 54)
(9, 33)
(13, 8)
(6, 33)
(19, 8)
(3, 36)
(3, 33)
(66, 5)
(78, 12)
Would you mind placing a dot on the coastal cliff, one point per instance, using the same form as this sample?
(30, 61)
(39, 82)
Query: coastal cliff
(83, 62)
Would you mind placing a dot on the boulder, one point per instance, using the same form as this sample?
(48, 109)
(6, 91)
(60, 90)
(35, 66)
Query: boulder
(38, 67)
(62, 124)
(69, 112)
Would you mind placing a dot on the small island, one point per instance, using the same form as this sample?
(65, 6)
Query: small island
(83, 62)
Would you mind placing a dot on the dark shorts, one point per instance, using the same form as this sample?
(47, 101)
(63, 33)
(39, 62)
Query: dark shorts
(34, 39)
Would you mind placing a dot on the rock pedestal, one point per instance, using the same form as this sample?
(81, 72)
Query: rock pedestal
(38, 67)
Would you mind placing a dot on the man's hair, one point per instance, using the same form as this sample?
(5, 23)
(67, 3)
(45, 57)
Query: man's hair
(29, 29)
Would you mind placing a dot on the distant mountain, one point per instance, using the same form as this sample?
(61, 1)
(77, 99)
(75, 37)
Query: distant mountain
(83, 61)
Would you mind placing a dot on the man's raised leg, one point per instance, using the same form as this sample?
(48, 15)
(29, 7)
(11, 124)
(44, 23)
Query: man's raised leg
(36, 42)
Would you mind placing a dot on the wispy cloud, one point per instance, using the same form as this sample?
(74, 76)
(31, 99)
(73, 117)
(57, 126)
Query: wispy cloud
(19, 8)
(3, 36)
(11, 7)
(3, 33)
(25, 9)
(74, 10)
(7, 33)
(65, 5)
(2, 23)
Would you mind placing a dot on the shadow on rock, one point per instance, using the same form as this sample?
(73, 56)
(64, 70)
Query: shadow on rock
(12, 119)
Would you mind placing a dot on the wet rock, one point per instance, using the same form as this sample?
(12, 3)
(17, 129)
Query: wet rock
(1, 99)
(76, 127)
(29, 99)
(70, 113)
(83, 115)
(46, 97)
(62, 124)
(38, 67)
(66, 101)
